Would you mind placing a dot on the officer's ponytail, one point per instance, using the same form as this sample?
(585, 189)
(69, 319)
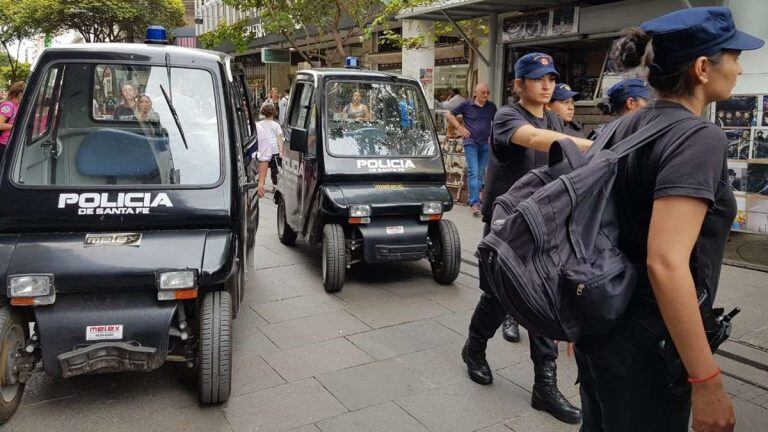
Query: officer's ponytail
(606, 107)
(634, 48)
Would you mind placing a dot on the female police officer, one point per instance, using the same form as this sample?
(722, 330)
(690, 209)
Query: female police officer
(624, 97)
(675, 212)
(522, 134)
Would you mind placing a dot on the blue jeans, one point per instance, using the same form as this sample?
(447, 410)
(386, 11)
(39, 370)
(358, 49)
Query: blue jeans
(477, 160)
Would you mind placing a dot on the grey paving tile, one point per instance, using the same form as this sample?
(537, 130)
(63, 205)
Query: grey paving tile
(749, 417)
(437, 366)
(307, 428)
(372, 383)
(299, 307)
(361, 294)
(465, 406)
(501, 427)
(247, 317)
(418, 285)
(304, 278)
(396, 311)
(404, 338)
(744, 371)
(251, 341)
(267, 258)
(282, 408)
(264, 289)
(457, 321)
(454, 297)
(743, 390)
(522, 375)
(386, 417)
(194, 419)
(250, 374)
(304, 331)
(537, 421)
(314, 359)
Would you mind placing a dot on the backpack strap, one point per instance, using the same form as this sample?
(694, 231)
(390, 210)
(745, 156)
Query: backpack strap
(650, 132)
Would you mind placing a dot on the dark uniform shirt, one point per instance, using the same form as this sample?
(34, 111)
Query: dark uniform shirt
(574, 129)
(508, 162)
(683, 162)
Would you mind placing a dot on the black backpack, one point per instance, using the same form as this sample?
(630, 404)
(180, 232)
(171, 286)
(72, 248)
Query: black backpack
(552, 255)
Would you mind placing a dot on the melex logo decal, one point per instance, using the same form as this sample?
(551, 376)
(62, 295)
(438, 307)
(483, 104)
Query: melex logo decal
(116, 239)
(109, 203)
(104, 332)
(385, 165)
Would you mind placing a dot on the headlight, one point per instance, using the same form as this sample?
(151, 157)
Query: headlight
(359, 210)
(175, 280)
(30, 285)
(431, 208)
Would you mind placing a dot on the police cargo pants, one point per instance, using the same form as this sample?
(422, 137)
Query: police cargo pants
(490, 313)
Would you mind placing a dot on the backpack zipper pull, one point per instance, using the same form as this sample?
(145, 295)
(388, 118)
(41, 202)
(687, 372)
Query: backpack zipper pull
(580, 289)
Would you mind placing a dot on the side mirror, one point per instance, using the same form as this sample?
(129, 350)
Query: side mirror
(299, 140)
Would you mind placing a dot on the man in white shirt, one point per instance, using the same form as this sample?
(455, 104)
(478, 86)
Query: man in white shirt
(453, 101)
(282, 108)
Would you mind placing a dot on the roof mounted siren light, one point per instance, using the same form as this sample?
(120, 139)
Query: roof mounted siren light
(352, 63)
(156, 35)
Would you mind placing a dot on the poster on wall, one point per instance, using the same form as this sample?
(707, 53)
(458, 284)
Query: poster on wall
(740, 222)
(757, 179)
(757, 215)
(738, 111)
(737, 177)
(760, 145)
(558, 22)
(738, 143)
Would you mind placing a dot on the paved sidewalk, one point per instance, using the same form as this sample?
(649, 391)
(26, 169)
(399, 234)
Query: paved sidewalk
(381, 355)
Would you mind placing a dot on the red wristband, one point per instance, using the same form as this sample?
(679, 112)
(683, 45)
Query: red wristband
(701, 380)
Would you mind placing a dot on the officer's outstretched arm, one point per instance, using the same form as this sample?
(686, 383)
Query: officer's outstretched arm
(542, 139)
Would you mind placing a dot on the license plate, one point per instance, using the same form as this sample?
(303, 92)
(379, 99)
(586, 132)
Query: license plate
(104, 332)
(395, 230)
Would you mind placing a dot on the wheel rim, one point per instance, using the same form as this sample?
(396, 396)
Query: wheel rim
(12, 343)
(325, 261)
(280, 220)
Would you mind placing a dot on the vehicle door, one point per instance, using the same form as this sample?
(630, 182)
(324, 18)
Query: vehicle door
(244, 128)
(300, 157)
(42, 148)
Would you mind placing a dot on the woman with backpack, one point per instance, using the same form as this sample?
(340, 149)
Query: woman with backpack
(522, 135)
(675, 209)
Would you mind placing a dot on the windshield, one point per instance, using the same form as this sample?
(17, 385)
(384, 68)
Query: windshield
(111, 124)
(378, 119)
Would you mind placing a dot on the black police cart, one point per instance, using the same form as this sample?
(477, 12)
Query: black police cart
(127, 216)
(363, 174)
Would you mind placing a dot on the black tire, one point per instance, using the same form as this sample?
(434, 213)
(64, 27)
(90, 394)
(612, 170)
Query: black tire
(447, 252)
(285, 233)
(12, 339)
(215, 350)
(334, 258)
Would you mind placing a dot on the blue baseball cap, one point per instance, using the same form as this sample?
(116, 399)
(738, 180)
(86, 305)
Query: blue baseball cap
(563, 92)
(535, 65)
(625, 89)
(680, 37)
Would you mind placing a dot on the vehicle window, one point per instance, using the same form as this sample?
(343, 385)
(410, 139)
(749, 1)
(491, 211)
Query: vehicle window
(47, 102)
(116, 127)
(378, 119)
(244, 108)
(301, 108)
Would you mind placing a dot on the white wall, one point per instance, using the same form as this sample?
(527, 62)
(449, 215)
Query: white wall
(414, 60)
(751, 16)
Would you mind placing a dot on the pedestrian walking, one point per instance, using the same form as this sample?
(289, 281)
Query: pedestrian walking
(563, 104)
(675, 209)
(522, 134)
(477, 114)
(9, 108)
(282, 107)
(274, 134)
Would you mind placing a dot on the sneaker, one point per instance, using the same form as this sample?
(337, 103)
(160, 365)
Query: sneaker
(476, 211)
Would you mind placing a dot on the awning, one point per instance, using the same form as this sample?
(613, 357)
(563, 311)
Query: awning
(466, 9)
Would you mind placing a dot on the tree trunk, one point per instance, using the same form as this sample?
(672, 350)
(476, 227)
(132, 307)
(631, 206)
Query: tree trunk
(11, 63)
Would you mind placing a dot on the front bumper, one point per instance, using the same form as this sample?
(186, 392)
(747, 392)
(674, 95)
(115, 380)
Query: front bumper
(141, 346)
(392, 239)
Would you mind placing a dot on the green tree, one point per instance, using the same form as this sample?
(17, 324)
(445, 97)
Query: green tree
(304, 23)
(19, 20)
(112, 20)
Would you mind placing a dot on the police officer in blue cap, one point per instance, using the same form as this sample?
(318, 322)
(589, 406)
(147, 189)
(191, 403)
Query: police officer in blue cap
(522, 135)
(563, 104)
(622, 98)
(675, 209)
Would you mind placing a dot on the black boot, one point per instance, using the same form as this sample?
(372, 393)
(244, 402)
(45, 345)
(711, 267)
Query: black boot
(473, 355)
(546, 396)
(510, 330)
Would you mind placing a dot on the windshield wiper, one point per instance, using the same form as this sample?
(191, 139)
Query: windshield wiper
(175, 116)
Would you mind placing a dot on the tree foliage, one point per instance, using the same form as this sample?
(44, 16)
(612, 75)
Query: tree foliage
(305, 24)
(19, 20)
(112, 20)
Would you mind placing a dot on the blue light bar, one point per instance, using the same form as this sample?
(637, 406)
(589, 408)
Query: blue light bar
(352, 63)
(156, 35)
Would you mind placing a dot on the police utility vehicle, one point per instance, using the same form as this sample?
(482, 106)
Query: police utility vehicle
(363, 174)
(127, 215)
